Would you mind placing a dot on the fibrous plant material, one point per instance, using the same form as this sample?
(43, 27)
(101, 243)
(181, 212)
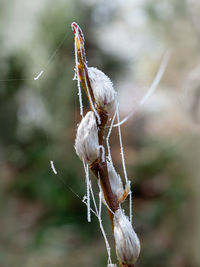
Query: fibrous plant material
(102, 88)
(127, 242)
(90, 147)
(87, 143)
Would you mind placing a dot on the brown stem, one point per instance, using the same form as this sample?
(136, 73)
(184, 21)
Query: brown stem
(99, 167)
(100, 170)
(85, 82)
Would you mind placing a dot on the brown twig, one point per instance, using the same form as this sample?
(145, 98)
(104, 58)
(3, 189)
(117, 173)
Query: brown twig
(99, 166)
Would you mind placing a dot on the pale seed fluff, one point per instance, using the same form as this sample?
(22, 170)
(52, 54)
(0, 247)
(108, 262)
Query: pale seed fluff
(102, 88)
(126, 240)
(86, 143)
(115, 180)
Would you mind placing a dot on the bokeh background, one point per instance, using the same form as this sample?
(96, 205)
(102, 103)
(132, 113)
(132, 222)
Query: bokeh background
(42, 219)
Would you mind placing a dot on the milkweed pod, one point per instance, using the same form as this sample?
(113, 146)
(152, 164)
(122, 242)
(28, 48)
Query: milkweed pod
(102, 88)
(86, 143)
(126, 240)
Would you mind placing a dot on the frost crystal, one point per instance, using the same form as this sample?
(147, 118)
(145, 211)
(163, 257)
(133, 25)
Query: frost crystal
(126, 240)
(86, 143)
(115, 180)
(102, 87)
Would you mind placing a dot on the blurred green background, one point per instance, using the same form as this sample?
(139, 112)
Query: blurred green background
(42, 219)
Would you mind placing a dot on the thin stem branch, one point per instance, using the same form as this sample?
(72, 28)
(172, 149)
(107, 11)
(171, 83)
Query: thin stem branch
(98, 167)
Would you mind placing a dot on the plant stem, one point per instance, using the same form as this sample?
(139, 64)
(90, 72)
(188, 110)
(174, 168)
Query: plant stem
(98, 167)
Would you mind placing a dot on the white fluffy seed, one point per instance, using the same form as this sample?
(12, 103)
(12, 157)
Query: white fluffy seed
(102, 87)
(115, 180)
(126, 240)
(86, 143)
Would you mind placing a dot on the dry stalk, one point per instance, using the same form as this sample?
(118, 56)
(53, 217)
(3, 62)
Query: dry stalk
(99, 166)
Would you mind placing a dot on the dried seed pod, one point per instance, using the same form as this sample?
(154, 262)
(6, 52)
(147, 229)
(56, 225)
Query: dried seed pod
(115, 180)
(126, 240)
(86, 143)
(102, 87)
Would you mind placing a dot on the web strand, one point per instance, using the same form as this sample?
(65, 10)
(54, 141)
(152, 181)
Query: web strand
(124, 164)
(88, 190)
(53, 167)
(46, 65)
(108, 135)
(76, 75)
(152, 88)
(100, 221)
